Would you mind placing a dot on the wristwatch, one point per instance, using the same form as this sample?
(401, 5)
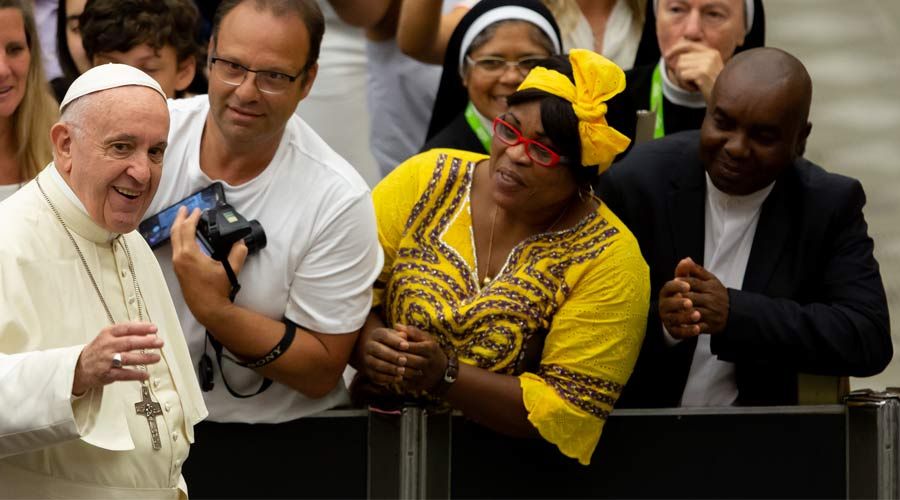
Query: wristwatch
(449, 377)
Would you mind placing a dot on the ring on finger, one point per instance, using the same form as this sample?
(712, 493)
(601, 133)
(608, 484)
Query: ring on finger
(117, 360)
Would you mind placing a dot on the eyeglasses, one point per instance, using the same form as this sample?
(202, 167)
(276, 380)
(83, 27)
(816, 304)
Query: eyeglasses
(498, 65)
(234, 74)
(540, 154)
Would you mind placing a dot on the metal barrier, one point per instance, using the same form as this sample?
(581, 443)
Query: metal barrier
(825, 451)
(782, 452)
(874, 444)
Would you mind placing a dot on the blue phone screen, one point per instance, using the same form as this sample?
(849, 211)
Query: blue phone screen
(156, 230)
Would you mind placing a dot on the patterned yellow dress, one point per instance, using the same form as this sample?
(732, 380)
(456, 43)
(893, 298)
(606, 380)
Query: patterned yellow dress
(583, 293)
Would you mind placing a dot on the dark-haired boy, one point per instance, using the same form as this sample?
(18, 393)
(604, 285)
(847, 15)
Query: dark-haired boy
(155, 36)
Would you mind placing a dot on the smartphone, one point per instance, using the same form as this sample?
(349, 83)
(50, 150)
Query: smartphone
(157, 229)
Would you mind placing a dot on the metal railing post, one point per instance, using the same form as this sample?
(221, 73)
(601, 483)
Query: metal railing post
(873, 446)
(409, 454)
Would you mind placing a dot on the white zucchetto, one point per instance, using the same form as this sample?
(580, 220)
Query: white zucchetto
(105, 77)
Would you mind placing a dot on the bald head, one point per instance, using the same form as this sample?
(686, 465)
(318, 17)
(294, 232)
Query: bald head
(769, 71)
(756, 123)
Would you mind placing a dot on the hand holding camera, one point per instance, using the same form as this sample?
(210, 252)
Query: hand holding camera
(221, 233)
(209, 285)
(220, 227)
(220, 224)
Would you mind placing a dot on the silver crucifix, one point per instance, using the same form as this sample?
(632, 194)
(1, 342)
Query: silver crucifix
(150, 409)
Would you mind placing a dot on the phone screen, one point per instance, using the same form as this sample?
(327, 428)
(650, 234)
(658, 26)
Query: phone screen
(156, 229)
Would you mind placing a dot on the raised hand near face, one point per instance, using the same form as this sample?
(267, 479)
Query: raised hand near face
(695, 66)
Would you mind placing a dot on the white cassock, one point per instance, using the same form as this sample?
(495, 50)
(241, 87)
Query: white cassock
(97, 446)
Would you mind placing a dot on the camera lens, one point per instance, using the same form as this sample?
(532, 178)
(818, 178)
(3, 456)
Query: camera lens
(256, 240)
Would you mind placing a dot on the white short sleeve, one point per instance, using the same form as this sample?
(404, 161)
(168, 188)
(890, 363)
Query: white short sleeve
(332, 287)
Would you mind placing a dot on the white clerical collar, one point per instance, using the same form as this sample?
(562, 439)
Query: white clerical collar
(74, 212)
(678, 95)
(65, 188)
(731, 202)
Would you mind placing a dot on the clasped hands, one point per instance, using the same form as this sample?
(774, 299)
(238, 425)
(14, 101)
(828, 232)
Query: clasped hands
(403, 356)
(694, 302)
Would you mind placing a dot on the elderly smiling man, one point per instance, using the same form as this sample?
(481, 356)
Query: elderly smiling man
(97, 393)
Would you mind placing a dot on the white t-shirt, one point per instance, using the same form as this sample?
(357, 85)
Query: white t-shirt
(317, 269)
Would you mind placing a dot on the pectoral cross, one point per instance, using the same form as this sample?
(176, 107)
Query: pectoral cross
(150, 409)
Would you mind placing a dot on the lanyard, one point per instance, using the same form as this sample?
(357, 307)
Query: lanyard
(656, 102)
(475, 124)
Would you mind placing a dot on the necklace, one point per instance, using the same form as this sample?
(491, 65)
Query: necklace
(487, 267)
(146, 406)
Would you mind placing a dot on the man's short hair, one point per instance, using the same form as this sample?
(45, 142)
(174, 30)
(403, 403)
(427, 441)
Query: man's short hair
(120, 25)
(307, 10)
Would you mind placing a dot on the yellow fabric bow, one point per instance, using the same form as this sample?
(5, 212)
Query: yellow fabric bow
(597, 79)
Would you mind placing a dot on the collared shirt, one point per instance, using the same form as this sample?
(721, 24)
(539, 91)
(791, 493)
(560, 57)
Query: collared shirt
(730, 225)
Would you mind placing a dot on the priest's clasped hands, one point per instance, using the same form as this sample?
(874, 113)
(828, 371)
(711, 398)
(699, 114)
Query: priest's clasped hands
(95, 367)
(694, 302)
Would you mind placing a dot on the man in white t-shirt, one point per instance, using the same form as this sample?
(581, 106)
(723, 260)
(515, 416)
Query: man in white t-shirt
(304, 296)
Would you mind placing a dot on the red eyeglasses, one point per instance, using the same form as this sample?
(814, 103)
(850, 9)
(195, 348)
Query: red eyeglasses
(539, 153)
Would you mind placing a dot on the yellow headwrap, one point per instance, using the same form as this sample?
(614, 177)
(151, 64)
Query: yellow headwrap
(597, 79)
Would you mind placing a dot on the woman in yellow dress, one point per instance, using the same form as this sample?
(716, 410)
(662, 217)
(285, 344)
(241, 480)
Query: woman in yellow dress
(510, 291)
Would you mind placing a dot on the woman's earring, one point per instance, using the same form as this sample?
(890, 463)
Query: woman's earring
(586, 194)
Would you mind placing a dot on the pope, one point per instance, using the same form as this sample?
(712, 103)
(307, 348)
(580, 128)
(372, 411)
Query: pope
(98, 394)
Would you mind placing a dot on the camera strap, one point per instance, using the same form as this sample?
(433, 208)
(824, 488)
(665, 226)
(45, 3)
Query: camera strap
(220, 355)
(205, 365)
(232, 278)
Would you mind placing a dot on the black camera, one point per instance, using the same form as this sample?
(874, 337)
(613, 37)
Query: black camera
(222, 226)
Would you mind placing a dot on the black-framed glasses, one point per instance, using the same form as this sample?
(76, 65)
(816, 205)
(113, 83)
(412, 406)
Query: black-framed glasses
(498, 65)
(539, 153)
(267, 81)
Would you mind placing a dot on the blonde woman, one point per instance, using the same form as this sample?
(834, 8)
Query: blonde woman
(27, 109)
(609, 27)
